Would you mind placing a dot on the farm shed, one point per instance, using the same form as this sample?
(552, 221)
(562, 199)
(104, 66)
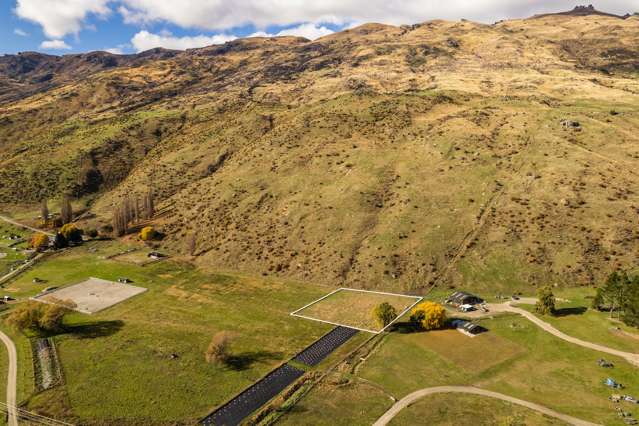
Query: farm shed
(460, 298)
(468, 327)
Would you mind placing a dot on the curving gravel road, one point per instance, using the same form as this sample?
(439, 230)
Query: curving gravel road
(507, 307)
(411, 398)
(12, 376)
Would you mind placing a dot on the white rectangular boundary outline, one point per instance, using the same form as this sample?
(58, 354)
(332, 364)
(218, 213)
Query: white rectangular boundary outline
(418, 299)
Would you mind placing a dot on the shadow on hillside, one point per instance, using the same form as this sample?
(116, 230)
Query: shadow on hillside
(91, 330)
(244, 360)
(564, 312)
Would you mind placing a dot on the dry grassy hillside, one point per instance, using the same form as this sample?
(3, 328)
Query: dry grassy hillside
(489, 156)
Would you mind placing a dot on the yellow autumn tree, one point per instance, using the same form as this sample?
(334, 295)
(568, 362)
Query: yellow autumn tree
(429, 315)
(39, 242)
(71, 233)
(147, 233)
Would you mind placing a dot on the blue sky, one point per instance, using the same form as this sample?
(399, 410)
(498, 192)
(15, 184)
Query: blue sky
(112, 33)
(128, 26)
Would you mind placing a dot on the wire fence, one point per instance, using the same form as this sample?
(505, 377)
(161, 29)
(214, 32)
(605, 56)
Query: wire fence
(28, 417)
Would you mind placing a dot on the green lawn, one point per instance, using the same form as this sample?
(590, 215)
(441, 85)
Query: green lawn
(469, 410)
(25, 383)
(117, 363)
(515, 358)
(119, 368)
(340, 404)
(577, 319)
(9, 256)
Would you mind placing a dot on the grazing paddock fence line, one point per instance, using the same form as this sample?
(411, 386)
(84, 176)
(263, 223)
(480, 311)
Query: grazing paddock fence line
(22, 268)
(28, 417)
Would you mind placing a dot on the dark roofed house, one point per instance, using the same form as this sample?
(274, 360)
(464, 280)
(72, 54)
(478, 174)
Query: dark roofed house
(459, 298)
(468, 328)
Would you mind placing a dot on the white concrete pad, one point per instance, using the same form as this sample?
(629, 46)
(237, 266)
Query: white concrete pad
(92, 295)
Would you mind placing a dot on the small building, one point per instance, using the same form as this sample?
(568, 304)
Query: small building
(468, 328)
(460, 298)
(156, 255)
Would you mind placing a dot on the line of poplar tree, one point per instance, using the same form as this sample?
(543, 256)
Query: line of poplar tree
(131, 210)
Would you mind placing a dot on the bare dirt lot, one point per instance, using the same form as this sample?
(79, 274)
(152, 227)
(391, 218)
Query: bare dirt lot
(354, 308)
(92, 295)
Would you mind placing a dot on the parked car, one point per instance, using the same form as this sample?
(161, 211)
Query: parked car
(467, 308)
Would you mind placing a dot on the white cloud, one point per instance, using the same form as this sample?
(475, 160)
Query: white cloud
(54, 45)
(222, 15)
(309, 30)
(60, 17)
(21, 33)
(145, 40)
(115, 50)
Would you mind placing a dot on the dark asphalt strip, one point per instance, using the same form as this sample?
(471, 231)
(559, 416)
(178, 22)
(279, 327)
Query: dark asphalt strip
(254, 397)
(326, 344)
(262, 391)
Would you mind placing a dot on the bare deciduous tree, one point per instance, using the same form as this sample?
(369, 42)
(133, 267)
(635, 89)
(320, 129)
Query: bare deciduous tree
(66, 210)
(129, 211)
(149, 205)
(44, 212)
(136, 210)
(119, 227)
(218, 350)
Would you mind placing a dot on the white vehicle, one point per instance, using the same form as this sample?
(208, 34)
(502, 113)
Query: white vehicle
(466, 308)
